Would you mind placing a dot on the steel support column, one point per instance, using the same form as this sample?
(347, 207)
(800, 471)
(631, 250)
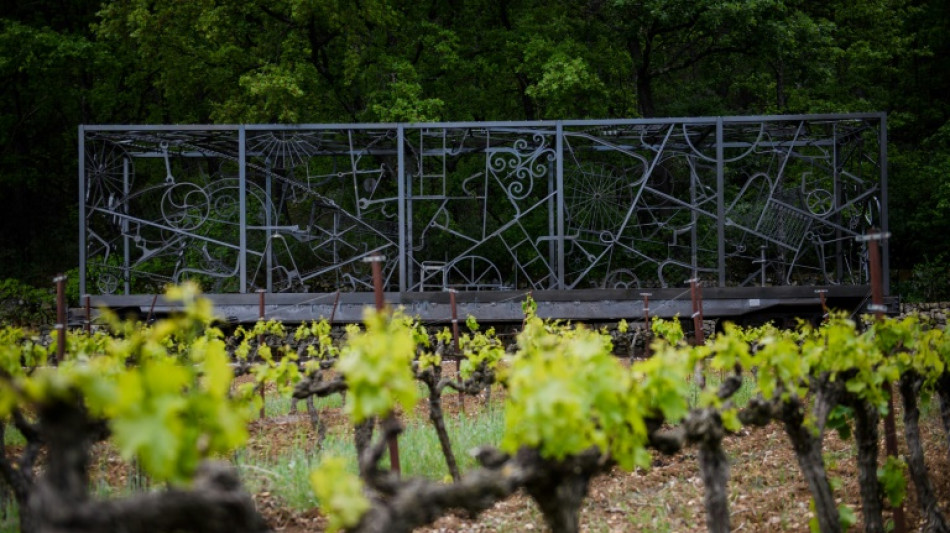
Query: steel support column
(885, 247)
(401, 203)
(720, 202)
(125, 228)
(242, 203)
(82, 210)
(559, 178)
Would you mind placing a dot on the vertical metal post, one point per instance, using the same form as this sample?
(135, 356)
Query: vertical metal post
(694, 221)
(336, 303)
(378, 281)
(88, 324)
(375, 261)
(260, 342)
(721, 201)
(696, 294)
(647, 330)
(552, 208)
(60, 281)
(885, 259)
(410, 255)
(877, 300)
(559, 178)
(646, 308)
(401, 204)
(269, 238)
(151, 309)
(458, 349)
(125, 226)
(836, 203)
(242, 205)
(824, 305)
(82, 209)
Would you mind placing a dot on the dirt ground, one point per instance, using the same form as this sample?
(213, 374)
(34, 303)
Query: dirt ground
(767, 490)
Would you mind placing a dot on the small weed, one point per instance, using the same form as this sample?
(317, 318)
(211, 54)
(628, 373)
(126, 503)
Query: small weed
(12, 436)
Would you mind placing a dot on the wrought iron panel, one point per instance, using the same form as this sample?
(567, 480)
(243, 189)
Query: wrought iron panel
(737, 201)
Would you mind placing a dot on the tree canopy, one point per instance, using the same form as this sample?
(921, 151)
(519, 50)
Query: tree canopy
(318, 61)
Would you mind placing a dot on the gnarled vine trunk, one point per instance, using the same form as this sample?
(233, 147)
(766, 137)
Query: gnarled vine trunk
(866, 421)
(806, 442)
(432, 379)
(559, 487)
(943, 390)
(910, 384)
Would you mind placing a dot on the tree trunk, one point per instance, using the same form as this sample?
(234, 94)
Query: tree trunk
(559, 488)
(560, 502)
(807, 448)
(714, 466)
(866, 420)
(215, 503)
(943, 389)
(18, 477)
(316, 423)
(438, 420)
(412, 503)
(363, 437)
(910, 385)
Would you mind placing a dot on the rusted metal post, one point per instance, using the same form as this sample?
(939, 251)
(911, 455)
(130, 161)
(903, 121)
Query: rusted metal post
(826, 313)
(88, 324)
(458, 349)
(260, 342)
(647, 331)
(336, 303)
(60, 280)
(696, 294)
(877, 306)
(151, 309)
(375, 262)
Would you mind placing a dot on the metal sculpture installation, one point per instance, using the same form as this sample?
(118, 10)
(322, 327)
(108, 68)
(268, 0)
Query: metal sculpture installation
(564, 205)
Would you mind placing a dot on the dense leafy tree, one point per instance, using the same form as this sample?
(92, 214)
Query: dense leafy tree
(134, 61)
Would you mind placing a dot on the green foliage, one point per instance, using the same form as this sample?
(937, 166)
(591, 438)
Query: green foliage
(323, 61)
(670, 331)
(340, 493)
(567, 393)
(320, 344)
(164, 390)
(846, 517)
(529, 307)
(22, 304)
(480, 351)
(893, 479)
(663, 381)
(376, 366)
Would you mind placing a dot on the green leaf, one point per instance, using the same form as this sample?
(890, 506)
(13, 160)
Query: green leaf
(893, 480)
(846, 516)
(339, 492)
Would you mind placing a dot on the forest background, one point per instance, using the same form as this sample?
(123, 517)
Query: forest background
(70, 62)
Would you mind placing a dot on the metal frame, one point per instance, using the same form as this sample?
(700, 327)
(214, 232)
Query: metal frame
(482, 206)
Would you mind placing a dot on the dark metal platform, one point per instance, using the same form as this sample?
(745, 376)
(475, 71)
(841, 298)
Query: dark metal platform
(742, 304)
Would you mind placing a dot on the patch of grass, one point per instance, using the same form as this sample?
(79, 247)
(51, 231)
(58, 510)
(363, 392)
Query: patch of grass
(9, 515)
(279, 404)
(286, 473)
(421, 454)
(714, 378)
(12, 436)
